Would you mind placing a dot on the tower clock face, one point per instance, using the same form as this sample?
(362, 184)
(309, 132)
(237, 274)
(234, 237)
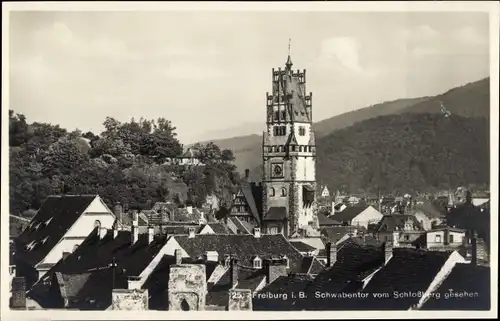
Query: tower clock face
(277, 170)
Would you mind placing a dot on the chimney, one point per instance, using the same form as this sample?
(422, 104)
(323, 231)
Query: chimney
(256, 232)
(331, 252)
(247, 174)
(474, 249)
(65, 255)
(275, 268)
(234, 272)
(134, 282)
(102, 232)
(189, 209)
(387, 251)
(118, 211)
(332, 212)
(191, 232)
(178, 256)
(18, 293)
(171, 215)
(135, 229)
(151, 234)
(395, 238)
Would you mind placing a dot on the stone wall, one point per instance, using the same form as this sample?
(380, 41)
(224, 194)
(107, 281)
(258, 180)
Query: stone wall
(187, 287)
(130, 300)
(240, 300)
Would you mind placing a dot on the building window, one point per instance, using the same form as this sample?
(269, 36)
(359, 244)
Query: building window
(293, 148)
(287, 262)
(302, 131)
(438, 238)
(283, 115)
(273, 230)
(407, 237)
(276, 115)
(271, 191)
(283, 192)
(451, 238)
(97, 223)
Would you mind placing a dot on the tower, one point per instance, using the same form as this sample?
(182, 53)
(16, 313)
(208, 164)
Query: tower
(289, 155)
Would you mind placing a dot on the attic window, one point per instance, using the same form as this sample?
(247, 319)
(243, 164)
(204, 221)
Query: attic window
(31, 245)
(38, 226)
(48, 221)
(257, 263)
(45, 240)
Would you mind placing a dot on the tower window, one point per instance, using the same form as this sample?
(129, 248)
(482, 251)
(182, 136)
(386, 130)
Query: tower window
(293, 148)
(283, 192)
(302, 131)
(271, 191)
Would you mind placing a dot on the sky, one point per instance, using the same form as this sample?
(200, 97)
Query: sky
(208, 72)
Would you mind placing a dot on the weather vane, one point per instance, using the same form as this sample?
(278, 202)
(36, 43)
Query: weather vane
(289, 44)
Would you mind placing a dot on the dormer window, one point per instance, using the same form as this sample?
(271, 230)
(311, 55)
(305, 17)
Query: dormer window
(257, 263)
(97, 223)
(287, 261)
(48, 221)
(45, 240)
(38, 226)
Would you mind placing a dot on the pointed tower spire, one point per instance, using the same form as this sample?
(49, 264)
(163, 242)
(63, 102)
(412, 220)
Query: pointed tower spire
(289, 63)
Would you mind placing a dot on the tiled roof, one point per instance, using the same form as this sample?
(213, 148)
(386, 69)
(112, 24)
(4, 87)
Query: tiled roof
(464, 278)
(391, 222)
(54, 218)
(284, 285)
(409, 271)
(276, 214)
(243, 246)
(327, 220)
(349, 213)
(302, 247)
(219, 228)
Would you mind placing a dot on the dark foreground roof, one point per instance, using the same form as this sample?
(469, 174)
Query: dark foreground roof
(56, 215)
(470, 286)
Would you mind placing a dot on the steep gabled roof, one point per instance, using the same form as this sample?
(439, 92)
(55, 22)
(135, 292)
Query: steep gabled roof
(16, 225)
(54, 218)
(250, 193)
(349, 213)
(218, 228)
(301, 246)
(335, 233)
(243, 246)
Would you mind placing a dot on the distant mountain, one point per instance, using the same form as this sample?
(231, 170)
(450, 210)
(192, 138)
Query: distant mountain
(405, 152)
(470, 100)
(245, 129)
